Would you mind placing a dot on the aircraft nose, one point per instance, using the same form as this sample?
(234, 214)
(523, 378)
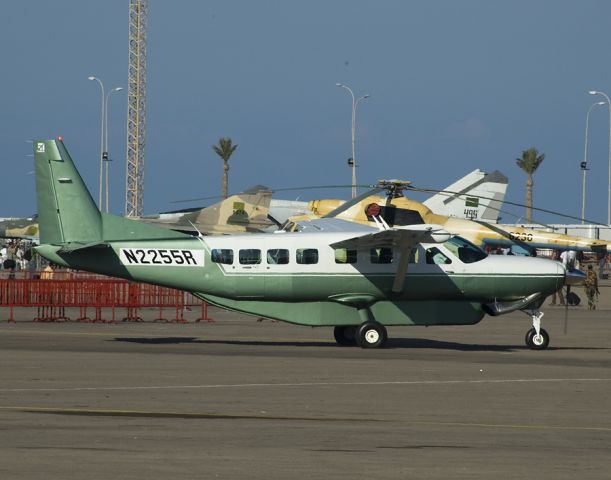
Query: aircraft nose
(574, 277)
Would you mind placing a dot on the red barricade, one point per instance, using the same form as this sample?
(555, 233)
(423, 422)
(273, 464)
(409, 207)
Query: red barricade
(51, 297)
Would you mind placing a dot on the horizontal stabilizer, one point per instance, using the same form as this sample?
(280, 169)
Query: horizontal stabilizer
(74, 246)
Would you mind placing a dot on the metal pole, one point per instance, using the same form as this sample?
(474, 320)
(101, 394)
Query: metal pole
(353, 146)
(602, 94)
(354, 105)
(584, 164)
(107, 158)
(101, 138)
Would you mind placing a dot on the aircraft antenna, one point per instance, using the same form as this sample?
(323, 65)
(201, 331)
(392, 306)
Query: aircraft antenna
(136, 109)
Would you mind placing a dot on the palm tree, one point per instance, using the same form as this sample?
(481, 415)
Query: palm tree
(529, 162)
(225, 149)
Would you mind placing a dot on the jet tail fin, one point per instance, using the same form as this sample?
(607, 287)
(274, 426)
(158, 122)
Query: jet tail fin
(66, 211)
(476, 196)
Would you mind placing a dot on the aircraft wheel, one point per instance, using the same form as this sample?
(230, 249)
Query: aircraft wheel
(345, 335)
(537, 342)
(371, 335)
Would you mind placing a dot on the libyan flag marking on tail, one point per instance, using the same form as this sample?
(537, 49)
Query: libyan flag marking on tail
(472, 202)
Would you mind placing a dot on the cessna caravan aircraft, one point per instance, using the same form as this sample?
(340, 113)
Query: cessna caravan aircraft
(355, 278)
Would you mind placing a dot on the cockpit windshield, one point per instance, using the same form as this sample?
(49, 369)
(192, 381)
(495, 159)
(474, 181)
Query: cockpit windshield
(465, 250)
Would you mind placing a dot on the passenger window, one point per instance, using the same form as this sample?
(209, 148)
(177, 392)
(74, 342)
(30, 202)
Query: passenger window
(222, 256)
(343, 255)
(381, 255)
(278, 256)
(250, 256)
(434, 256)
(307, 256)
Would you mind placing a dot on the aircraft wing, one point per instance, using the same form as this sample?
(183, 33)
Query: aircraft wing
(404, 237)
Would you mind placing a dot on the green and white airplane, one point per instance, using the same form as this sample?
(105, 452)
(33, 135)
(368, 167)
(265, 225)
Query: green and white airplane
(355, 278)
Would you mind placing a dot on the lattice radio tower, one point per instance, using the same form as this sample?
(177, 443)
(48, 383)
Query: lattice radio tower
(136, 109)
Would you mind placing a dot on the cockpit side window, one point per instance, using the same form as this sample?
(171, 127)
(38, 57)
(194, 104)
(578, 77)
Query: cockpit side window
(465, 250)
(436, 256)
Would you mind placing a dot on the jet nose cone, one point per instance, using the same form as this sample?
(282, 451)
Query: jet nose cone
(574, 277)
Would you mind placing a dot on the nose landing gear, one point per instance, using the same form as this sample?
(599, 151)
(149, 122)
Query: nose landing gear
(536, 338)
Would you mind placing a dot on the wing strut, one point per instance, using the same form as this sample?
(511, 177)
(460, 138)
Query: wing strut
(397, 286)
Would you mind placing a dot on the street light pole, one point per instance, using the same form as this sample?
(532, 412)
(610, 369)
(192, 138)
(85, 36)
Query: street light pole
(606, 97)
(584, 164)
(105, 153)
(354, 105)
(101, 138)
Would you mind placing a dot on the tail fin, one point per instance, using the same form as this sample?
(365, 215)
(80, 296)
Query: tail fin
(476, 196)
(66, 211)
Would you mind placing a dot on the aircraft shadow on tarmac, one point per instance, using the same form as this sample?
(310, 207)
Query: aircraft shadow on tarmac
(158, 340)
(177, 340)
(393, 343)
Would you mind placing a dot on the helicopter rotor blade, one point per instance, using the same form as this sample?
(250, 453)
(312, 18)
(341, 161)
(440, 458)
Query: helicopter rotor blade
(273, 190)
(354, 201)
(515, 204)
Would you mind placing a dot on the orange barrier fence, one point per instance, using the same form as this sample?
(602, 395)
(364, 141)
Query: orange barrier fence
(52, 297)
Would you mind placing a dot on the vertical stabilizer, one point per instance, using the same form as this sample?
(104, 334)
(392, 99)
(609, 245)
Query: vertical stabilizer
(66, 211)
(476, 196)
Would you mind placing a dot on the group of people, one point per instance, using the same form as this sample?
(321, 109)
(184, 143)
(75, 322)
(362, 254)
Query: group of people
(16, 255)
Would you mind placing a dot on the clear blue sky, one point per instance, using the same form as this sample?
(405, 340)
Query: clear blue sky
(454, 85)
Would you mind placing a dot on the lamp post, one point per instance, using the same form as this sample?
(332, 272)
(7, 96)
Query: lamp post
(584, 164)
(354, 105)
(101, 138)
(105, 153)
(608, 101)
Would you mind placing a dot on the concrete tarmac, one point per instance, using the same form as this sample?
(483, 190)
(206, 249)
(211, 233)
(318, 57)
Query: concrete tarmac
(242, 399)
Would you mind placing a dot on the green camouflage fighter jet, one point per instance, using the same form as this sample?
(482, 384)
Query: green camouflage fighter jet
(357, 279)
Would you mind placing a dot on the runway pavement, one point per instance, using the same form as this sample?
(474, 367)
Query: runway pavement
(241, 399)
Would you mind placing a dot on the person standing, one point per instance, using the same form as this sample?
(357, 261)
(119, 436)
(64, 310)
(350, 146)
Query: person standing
(591, 287)
(560, 292)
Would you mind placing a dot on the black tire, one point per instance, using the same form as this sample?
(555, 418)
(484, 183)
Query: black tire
(537, 343)
(371, 335)
(345, 335)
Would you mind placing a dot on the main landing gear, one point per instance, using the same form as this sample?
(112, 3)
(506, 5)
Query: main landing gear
(369, 334)
(536, 338)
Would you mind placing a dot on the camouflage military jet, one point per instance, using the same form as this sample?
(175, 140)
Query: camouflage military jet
(398, 210)
(241, 213)
(352, 277)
